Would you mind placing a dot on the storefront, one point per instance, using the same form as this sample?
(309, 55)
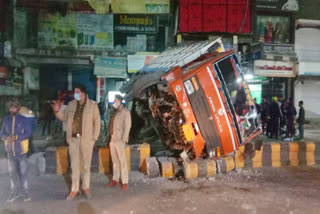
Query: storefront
(307, 47)
(273, 30)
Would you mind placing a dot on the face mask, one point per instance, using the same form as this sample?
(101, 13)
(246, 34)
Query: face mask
(77, 96)
(13, 113)
(116, 105)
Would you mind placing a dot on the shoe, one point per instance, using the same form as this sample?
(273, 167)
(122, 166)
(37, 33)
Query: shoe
(72, 195)
(124, 186)
(87, 193)
(26, 197)
(12, 197)
(287, 139)
(112, 183)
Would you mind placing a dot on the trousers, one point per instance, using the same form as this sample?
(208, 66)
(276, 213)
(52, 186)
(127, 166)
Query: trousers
(301, 130)
(17, 167)
(119, 161)
(80, 156)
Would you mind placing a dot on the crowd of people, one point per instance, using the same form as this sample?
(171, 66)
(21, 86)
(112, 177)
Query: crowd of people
(278, 119)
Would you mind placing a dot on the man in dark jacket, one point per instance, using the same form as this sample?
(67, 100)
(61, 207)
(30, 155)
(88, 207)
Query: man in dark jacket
(15, 132)
(290, 115)
(301, 119)
(264, 109)
(275, 114)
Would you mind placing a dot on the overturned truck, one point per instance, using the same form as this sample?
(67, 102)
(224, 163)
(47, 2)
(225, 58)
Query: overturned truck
(197, 98)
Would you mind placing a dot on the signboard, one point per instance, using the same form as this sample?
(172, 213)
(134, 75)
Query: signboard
(110, 67)
(94, 31)
(283, 49)
(273, 29)
(57, 31)
(136, 62)
(277, 5)
(127, 23)
(309, 68)
(81, 31)
(141, 6)
(267, 68)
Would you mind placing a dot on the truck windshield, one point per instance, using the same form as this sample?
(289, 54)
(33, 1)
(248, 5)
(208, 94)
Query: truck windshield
(238, 96)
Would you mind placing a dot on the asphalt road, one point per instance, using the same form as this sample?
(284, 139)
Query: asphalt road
(267, 190)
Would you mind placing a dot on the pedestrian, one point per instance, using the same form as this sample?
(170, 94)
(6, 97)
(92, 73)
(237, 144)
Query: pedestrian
(258, 109)
(301, 120)
(15, 132)
(83, 129)
(276, 115)
(264, 110)
(290, 115)
(48, 116)
(120, 125)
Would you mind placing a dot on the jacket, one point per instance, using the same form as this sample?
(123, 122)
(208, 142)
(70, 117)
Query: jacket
(121, 125)
(275, 111)
(19, 126)
(301, 116)
(90, 120)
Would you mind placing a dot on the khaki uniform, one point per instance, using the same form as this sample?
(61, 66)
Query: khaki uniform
(120, 128)
(80, 148)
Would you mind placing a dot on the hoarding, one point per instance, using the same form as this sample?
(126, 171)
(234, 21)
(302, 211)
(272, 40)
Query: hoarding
(273, 29)
(110, 67)
(136, 62)
(141, 6)
(128, 23)
(94, 31)
(268, 68)
(277, 5)
(78, 31)
(57, 31)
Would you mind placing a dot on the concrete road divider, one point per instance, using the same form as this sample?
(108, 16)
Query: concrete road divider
(152, 167)
(279, 154)
(136, 155)
(57, 160)
(200, 168)
(225, 164)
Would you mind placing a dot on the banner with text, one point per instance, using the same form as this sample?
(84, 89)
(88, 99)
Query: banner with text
(141, 6)
(79, 31)
(277, 5)
(110, 67)
(94, 31)
(127, 23)
(268, 68)
(136, 62)
(57, 31)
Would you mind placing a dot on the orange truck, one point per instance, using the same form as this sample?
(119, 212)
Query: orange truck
(199, 100)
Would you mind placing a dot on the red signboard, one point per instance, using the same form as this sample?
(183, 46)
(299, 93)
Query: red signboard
(232, 16)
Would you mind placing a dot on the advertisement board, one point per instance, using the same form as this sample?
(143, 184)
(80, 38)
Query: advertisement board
(110, 67)
(128, 23)
(136, 62)
(57, 31)
(268, 68)
(141, 6)
(273, 29)
(78, 31)
(94, 31)
(277, 5)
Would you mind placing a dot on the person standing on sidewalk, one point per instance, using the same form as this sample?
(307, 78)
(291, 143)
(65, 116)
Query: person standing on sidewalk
(300, 120)
(276, 115)
(290, 115)
(120, 126)
(83, 129)
(15, 132)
